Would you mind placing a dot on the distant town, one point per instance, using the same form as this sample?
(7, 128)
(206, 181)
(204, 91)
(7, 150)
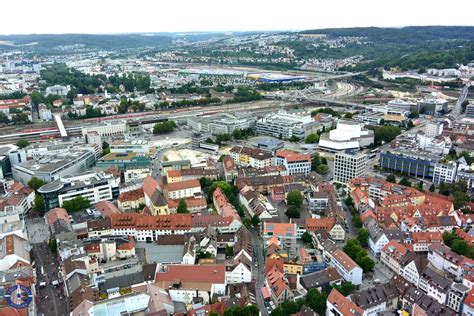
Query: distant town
(322, 172)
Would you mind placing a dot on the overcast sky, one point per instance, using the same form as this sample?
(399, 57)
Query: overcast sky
(120, 16)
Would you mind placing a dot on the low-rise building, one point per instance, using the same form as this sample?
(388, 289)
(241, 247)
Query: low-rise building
(251, 157)
(295, 163)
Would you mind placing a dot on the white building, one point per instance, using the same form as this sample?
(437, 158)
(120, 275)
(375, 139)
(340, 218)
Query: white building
(57, 90)
(349, 165)
(433, 129)
(347, 135)
(286, 125)
(337, 258)
(240, 272)
(107, 128)
(444, 173)
(295, 163)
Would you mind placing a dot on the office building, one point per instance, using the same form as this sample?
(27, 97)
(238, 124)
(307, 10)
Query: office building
(92, 186)
(347, 135)
(432, 106)
(138, 146)
(287, 125)
(410, 162)
(107, 128)
(223, 123)
(51, 166)
(444, 173)
(349, 165)
(269, 144)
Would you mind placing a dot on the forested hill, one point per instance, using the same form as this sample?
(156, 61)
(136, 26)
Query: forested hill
(51, 41)
(403, 35)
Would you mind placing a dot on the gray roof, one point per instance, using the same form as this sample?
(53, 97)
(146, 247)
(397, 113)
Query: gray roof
(162, 253)
(374, 296)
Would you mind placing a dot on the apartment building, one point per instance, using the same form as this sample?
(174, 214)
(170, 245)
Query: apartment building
(251, 157)
(182, 189)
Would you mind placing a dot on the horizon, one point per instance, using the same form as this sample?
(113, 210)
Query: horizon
(237, 31)
(120, 17)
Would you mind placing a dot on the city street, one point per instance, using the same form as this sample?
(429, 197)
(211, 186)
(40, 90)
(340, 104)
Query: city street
(50, 298)
(259, 270)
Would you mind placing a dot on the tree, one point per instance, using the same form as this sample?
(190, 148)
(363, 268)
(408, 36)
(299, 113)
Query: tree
(357, 221)
(306, 238)
(164, 127)
(385, 134)
(348, 115)
(363, 236)
(432, 188)
(105, 148)
(312, 138)
(391, 178)
(295, 198)
(53, 245)
(414, 114)
(38, 204)
(4, 118)
(237, 134)
(404, 181)
(255, 220)
(182, 207)
(294, 139)
(22, 143)
(316, 301)
(366, 263)
(322, 169)
(292, 212)
(35, 183)
(315, 162)
(229, 251)
(78, 203)
(346, 288)
(460, 199)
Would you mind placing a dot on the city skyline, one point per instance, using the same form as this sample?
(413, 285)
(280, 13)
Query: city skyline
(208, 16)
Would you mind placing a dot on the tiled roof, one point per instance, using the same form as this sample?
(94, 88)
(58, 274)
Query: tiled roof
(313, 224)
(344, 305)
(149, 186)
(132, 195)
(107, 208)
(291, 156)
(344, 259)
(55, 214)
(182, 185)
(160, 222)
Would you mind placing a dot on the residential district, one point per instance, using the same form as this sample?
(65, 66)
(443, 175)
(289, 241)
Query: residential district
(159, 186)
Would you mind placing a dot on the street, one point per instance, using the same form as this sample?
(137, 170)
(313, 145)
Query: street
(50, 298)
(259, 270)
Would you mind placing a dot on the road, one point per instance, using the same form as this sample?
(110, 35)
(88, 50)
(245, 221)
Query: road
(462, 97)
(51, 299)
(258, 271)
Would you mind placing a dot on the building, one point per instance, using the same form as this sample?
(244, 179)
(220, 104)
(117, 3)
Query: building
(92, 186)
(432, 106)
(251, 157)
(337, 258)
(347, 135)
(444, 173)
(435, 284)
(336, 230)
(106, 128)
(223, 123)
(295, 163)
(470, 111)
(124, 161)
(433, 129)
(285, 232)
(320, 280)
(191, 283)
(456, 296)
(392, 254)
(377, 300)
(349, 165)
(286, 125)
(137, 146)
(408, 162)
(182, 189)
(269, 144)
(338, 305)
(57, 90)
(52, 166)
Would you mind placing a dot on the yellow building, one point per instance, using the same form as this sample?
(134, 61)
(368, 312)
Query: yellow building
(293, 268)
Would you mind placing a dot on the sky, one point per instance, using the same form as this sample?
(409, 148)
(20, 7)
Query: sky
(129, 16)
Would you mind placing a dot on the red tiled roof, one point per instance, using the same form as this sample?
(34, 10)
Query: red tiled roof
(313, 224)
(212, 220)
(174, 173)
(132, 195)
(182, 185)
(193, 273)
(149, 186)
(56, 214)
(191, 202)
(427, 237)
(344, 305)
(107, 208)
(291, 156)
(344, 259)
(143, 222)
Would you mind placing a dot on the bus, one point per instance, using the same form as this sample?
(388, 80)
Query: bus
(374, 151)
